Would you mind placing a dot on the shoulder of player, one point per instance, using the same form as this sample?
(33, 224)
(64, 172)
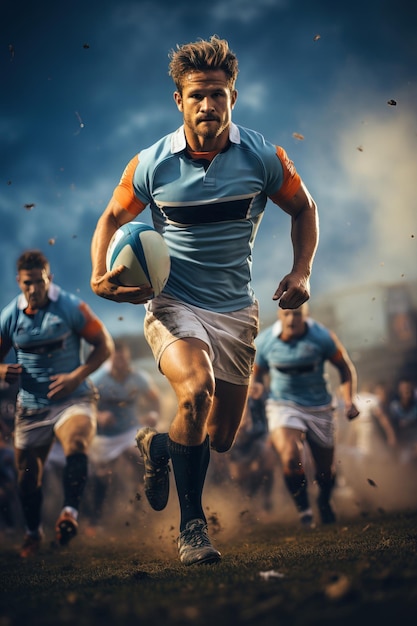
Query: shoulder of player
(160, 149)
(319, 331)
(63, 298)
(254, 140)
(11, 309)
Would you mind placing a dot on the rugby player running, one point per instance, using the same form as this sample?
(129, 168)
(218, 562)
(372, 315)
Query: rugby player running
(207, 185)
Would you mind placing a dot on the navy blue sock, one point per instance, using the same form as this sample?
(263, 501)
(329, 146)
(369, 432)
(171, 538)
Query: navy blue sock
(74, 479)
(31, 503)
(326, 482)
(189, 464)
(297, 486)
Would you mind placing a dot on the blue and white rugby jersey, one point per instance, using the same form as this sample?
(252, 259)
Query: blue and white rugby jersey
(209, 211)
(296, 368)
(120, 397)
(47, 343)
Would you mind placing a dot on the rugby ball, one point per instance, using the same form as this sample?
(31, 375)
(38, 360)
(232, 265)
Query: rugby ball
(143, 252)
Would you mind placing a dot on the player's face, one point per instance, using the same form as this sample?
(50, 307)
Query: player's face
(121, 361)
(206, 102)
(293, 323)
(34, 285)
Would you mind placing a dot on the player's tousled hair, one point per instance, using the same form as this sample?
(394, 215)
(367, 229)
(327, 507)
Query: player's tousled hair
(32, 259)
(202, 55)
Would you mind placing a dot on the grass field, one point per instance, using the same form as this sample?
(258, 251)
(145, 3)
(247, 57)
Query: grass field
(358, 571)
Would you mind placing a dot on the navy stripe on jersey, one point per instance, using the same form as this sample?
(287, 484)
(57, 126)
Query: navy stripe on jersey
(207, 213)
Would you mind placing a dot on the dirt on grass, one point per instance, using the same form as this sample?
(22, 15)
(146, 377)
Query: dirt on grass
(358, 571)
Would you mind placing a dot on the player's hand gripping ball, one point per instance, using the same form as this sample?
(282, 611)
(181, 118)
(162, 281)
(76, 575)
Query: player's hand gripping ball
(143, 252)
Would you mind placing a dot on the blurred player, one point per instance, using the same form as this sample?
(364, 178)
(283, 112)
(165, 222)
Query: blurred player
(290, 358)
(44, 325)
(252, 460)
(127, 399)
(8, 482)
(403, 415)
(373, 430)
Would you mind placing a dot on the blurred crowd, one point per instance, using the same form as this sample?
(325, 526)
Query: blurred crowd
(376, 454)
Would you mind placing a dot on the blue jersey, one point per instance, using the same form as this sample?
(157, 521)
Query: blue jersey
(208, 211)
(46, 343)
(296, 368)
(120, 398)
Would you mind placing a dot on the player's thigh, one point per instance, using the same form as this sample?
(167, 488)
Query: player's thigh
(288, 442)
(76, 433)
(187, 366)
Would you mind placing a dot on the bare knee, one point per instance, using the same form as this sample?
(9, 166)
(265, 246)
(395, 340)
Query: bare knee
(290, 459)
(77, 444)
(195, 406)
(195, 399)
(75, 435)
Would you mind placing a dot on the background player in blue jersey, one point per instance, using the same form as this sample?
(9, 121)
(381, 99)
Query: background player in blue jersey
(207, 185)
(128, 398)
(290, 360)
(44, 325)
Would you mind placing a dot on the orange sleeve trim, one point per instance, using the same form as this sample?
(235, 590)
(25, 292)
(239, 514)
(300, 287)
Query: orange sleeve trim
(124, 192)
(338, 356)
(292, 181)
(93, 326)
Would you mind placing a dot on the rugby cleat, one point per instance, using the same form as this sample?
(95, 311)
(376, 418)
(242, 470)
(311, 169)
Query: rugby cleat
(194, 546)
(156, 477)
(66, 528)
(31, 545)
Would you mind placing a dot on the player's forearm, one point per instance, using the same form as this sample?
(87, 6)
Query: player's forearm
(305, 237)
(106, 227)
(348, 392)
(100, 353)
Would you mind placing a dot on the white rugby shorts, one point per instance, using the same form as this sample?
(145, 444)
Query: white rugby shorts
(230, 337)
(34, 429)
(104, 449)
(316, 422)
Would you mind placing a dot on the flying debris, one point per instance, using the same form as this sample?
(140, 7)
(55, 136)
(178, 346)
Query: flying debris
(298, 136)
(80, 121)
(267, 575)
(372, 482)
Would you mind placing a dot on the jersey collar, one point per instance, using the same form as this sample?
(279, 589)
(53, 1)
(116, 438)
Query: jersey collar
(179, 143)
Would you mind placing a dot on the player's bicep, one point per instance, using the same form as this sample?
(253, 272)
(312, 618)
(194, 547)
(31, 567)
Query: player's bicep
(116, 214)
(300, 201)
(124, 193)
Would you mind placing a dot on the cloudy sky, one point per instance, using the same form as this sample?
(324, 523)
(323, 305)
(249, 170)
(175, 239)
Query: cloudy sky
(85, 86)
